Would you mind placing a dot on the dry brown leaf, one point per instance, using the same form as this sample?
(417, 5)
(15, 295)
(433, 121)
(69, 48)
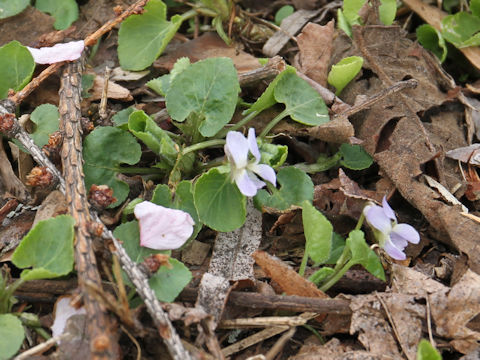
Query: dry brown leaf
(53, 205)
(315, 50)
(195, 253)
(206, 46)
(115, 91)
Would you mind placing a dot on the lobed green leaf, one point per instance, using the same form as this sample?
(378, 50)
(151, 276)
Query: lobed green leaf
(46, 120)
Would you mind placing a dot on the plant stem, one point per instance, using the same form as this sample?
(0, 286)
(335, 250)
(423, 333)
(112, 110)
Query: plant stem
(335, 277)
(303, 265)
(189, 14)
(203, 145)
(238, 125)
(360, 221)
(274, 122)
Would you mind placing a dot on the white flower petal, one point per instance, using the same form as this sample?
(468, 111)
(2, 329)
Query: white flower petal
(388, 210)
(265, 172)
(59, 52)
(246, 185)
(406, 232)
(236, 148)
(252, 145)
(63, 311)
(377, 218)
(163, 228)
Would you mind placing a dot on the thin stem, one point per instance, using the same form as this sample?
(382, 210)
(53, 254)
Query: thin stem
(238, 125)
(274, 122)
(189, 14)
(303, 265)
(360, 221)
(203, 145)
(337, 276)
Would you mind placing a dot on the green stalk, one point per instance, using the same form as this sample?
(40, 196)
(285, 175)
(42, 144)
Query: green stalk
(274, 122)
(203, 145)
(190, 14)
(238, 125)
(335, 277)
(303, 265)
(360, 221)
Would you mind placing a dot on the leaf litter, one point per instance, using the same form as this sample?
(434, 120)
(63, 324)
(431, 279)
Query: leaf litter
(417, 137)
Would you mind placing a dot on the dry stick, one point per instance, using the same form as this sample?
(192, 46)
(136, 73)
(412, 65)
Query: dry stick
(100, 326)
(89, 40)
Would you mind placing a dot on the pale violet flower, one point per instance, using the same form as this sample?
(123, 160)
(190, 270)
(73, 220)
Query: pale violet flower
(163, 228)
(391, 236)
(243, 169)
(59, 52)
(63, 312)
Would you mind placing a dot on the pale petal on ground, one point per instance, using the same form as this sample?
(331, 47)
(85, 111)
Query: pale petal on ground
(59, 52)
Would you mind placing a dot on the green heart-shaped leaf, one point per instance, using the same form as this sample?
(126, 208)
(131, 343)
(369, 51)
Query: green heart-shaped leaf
(16, 67)
(46, 119)
(11, 336)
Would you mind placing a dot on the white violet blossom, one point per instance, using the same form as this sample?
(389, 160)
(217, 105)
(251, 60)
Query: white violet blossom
(391, 236)
(163, 228)
(59, 52)
(243, 169)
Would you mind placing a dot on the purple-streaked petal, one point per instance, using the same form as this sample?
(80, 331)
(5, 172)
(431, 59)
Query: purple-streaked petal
(406, 232)
(236, 149)
(163, 228)
(246, 185)
(376, 217)
(393, 251)
(388, 210)
(59, 52)
(252, 144)
(265, 172)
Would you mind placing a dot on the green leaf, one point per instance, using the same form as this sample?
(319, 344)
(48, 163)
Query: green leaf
(320, 275)
(475, 7)
(65, 12)
(16, 67)
(351, 9)
(461, 29)
(11, 336)
(318, 233)
(343, 23)
(338, 244)
(387, 11)
(267, 99)
(344, 72)
(282, 13)
(323, 163)
(295, 187)
(142, 38)
(207, 89)
(219, 203)
(161, 84)
(143, 127)
(47, 248)
(120, 119)
(87, 84)
(355, 157)
(104, 149)
(303, 105)
(129, 234)
(426, 351)
(272, 154)
(432, 39)
(363, 255)
(46, 119)
(10, 8)
(168, 283)
(162, 195)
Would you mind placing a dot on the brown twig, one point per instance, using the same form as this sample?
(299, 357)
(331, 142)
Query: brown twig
(91, 39)
(100, 327)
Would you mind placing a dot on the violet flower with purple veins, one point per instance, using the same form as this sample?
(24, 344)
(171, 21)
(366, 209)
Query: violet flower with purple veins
(243, 169)
(391, 236)
(163, 228)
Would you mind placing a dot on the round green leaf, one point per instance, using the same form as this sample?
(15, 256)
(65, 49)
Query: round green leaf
(208, 89)
(220, 205)
(11, 336)
(355, 157)
(142, 38)
(363, 255)
(46, 118)
(65, 12)
(388, 10)
(302, 102)
(318, 233)
(9, 8)
(295, 187)
(426, 351)
(47, 248)
(344, 72)
(461, 29)
(282, 13)
(432, 39)
(168, 283)
(16, 67)
(104, 149)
